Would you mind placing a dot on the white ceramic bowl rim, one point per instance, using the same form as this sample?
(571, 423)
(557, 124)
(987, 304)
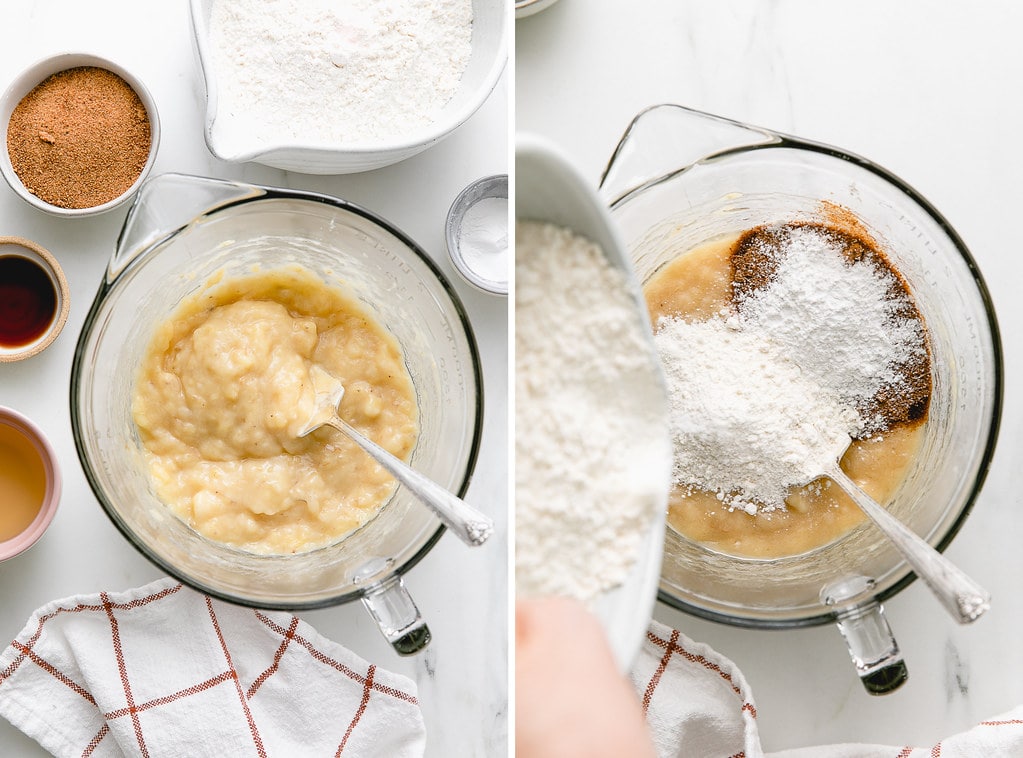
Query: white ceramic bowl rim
(524, 8)
(549, 188)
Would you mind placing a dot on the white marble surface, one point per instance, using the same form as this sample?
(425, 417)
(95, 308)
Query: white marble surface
(930, 90)
(462, 678)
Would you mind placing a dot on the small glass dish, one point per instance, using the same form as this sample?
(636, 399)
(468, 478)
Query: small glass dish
(478, 241)
(38, 73)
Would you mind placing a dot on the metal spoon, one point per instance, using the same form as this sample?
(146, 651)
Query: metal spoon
(962, 597)
(471, 526)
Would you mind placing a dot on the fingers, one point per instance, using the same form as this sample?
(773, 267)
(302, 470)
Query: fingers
(570, 698)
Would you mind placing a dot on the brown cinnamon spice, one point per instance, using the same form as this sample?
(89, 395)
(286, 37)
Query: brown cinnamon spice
(755, 259)
(80, 138)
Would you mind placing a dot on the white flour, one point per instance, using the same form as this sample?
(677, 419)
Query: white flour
(590, 449)
(330, 71)
(767, 398)
(837, 321)
(747, 423)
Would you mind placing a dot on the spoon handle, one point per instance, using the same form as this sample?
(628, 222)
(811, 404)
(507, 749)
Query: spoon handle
(469, 524)
(964, 598)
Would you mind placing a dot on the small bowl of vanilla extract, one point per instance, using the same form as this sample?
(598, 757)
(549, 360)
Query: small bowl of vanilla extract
(34, 299)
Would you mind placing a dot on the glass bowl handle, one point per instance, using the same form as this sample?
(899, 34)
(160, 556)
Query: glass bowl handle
(167, 203)
(666, 139)
(873, 648)
(392, 607)
(860, 619)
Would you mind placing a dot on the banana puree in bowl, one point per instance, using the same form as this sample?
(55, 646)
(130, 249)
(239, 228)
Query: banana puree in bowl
(190, 237)
(225, 389)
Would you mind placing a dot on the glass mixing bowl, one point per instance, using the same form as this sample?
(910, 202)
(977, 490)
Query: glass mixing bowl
(179, 232)
(680, 177)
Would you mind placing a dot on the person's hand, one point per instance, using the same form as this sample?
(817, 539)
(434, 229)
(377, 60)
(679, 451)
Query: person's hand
(570, 699)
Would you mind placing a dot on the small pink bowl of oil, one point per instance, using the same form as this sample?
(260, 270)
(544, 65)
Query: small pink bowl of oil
(30, 483)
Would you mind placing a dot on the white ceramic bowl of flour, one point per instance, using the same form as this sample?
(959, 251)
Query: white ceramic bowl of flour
(549, 190)
(249, 130)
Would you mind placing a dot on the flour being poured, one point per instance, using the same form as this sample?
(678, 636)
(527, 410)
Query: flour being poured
(591, 451)
(823, 346)
(328, 72)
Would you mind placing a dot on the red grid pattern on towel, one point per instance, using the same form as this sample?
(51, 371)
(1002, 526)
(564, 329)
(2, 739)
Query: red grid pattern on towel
(132, 709)
(81, 608)
(672, 648)
(935, 751)
(364, 679)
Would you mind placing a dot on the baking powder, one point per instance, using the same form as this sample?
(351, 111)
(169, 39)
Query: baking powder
(483, 238)
(328, 72)
(590, 445)
(766, 397)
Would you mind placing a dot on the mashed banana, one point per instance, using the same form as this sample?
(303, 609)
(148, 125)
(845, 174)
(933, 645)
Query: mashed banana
(224, 389)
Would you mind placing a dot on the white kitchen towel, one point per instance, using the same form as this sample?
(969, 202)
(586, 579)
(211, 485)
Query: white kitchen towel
(698, 705)
(165, 671)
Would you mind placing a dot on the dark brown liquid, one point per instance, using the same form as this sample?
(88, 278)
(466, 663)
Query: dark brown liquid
(28, 301)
